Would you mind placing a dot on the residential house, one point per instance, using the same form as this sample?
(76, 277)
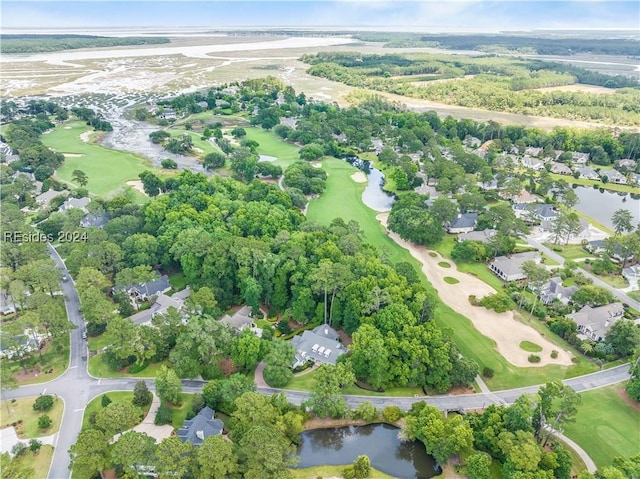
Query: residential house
(21, 345)
(524, 198)
(509, 268)
(144, 291)
(161, 305)
(291, 122)
(533, 151)
(483, 236)
(588, 173)
(596, 246)
(614, 176)
(472, 142)
(489, 185)
(579, 158)
(45, 198)
(7, 304)
(594, 323)
(560, 169)
(635, 179)
(203, 104)
(480, 152)
(555, 290)
(167, 114)
(230, 90)
(95, 220)
(546, 214)
(632, 274)
(627, 164)
(464, 223)
(222, 103)
(79, 203)
(378, 145)
(202, 426)
(242, 319)
(532, 163)
(320, 345)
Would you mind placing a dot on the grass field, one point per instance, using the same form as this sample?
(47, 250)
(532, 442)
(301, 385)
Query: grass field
(331, 471)
(450, 280)
(180, 413)
(590, 183)
(570, 252)
(530, 347)
(272, 145)
(606, 426)
(99, 368)
(341, 191)
(107, 169)
(54, 356)
(23, 409)
(40, 462)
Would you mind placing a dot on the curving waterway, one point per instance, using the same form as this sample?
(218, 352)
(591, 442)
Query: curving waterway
(387, 453)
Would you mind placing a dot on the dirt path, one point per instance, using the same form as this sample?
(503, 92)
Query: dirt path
(503, 328)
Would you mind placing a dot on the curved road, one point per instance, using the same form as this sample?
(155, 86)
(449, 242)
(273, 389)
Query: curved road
(76, 387)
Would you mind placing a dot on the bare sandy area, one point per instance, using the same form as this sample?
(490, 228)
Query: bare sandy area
(502, 328)
(86, 136)
(316, 164)
(73, 155)
(136, 185)
(577, 87)
(359, 177)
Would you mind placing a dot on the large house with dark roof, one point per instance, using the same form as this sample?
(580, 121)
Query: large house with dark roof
(202, 426)
(555, 290)
(161, 305)
(464, 223)
(144, 291)
(321, 345)
(483, 236)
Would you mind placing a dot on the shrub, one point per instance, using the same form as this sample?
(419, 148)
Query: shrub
(141, 394)
(487, 372)
(18, 449)
(391, 413)
(554, 354)
(197, 404)
(136, 368)
(34, 446)
(44, 422)
(499, 302)
(169, 164)
(283, 326)
(105, 401)
(164, 415)
(348, 473)
(534, 358)
(43, 403)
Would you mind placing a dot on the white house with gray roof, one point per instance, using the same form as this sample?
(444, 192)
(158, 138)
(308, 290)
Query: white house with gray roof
(614, 176)
(79, 203)
(321, 345)
(555, 290)
(587, 173)
(483, 236)
(202, 426)
(509, 268)
(594, 323)
(464, 223)
(161, 305)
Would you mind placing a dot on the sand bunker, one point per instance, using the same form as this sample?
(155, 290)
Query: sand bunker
(359, 177)
(503, 328)
(86, 136)
(136, 185)
(73, 155)
(316, 164)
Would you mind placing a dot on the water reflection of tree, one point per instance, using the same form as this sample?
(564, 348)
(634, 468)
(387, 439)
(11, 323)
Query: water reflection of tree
(328, 438)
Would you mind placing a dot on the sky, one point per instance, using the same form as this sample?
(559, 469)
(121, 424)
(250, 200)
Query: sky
(479, 15)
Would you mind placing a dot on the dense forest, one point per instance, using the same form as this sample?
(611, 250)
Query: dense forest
(35, 43)
(548, 45)
(490, 82)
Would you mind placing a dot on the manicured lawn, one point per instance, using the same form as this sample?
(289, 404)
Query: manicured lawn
(40, 462)
(55, 356)
(178, 281)
(331, 471)
(99, 368)
(606, 426)
(444, 264)
(23, 409)
(96, 343)
(613, 280)
(272, 145)
(344, 196)
(180, 413)
(530, 347)
(307, 381)
(571, 251)
(205, 145)
(96, 404)
(108, 170)
(590, 183)
(634, 294)
(450, 280)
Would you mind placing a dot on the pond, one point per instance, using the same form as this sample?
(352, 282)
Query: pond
(373, 195)
(600, 204)
(342, 445)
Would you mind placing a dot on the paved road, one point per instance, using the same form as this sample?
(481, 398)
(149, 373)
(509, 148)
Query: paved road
(597, 281)
(76, 387)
